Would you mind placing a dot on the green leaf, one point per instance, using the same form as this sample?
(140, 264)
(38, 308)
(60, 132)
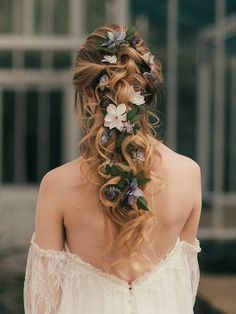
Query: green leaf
(120, 139)
(106, 49)
(143, 107)
(132, 113)
(121, 184)
(141, 179)
(135, 118)
(116, 171)
(123, 203)
(130, 32)
(136, 127)
(142, 203)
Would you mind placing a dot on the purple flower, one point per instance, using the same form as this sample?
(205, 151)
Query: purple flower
(138, 154)
(134, 192)
(104, 82)
(151, 75)
(135, 40)
(128, 127)
(112, 192)
(106, 136)
(115, 38)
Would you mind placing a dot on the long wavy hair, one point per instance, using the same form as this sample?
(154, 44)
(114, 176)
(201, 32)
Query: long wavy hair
(132, 227)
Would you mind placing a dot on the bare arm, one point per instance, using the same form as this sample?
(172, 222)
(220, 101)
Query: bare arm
(43, 285)
(49, 231)
(189, 231)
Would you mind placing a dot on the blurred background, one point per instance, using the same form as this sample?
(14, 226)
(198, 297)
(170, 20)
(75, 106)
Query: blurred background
(196, 43)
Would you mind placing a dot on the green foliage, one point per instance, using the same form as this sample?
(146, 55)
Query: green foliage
(142, 203)
(120, 139)
(130, 33)
(141, 179)
(132, 113)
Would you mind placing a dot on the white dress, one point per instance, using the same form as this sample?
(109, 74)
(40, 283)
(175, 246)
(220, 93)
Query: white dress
(61, 282)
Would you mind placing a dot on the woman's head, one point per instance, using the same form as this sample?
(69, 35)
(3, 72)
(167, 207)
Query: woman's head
(117, 80)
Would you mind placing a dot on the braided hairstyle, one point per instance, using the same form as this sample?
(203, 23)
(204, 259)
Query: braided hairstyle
(119, 161)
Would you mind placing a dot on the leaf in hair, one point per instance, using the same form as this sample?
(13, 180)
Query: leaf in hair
(136, 127)
(123, 203)
(120, 139)
(121, 184)
(105, 190)
(135, 118)
(130, 32)
(143, 107)
(131, 114)
(106, 49)
(141, 179)
(116, 171)
(142, 203)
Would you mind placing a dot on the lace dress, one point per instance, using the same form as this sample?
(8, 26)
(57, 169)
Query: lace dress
(61, 282)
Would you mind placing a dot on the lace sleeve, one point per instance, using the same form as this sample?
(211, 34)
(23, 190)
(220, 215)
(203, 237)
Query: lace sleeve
(43, 280)
(192, 251)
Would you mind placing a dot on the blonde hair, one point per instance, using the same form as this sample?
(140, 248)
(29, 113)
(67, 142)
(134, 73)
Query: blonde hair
(132, 226)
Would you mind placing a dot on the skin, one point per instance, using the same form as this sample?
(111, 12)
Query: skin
(69, 210)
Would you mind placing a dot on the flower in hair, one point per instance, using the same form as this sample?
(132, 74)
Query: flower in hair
(110, 59)
(148, 57)
(136, 97)
(106, 136)
(151, 75)
(137, 154)
(105, 101)
(112, 192)
(104, 82)
(128, 127)
(135, 40)
(134, 192)
(128, 179)
(114, 38)
(115, 116)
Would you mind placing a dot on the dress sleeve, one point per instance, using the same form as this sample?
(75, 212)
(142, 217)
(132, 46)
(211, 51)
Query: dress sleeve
(192, 251)
(43, 284)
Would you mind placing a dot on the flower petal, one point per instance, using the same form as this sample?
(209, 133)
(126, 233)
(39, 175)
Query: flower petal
(109, 118)
(111, 35)
(113, 124)
(111, 109)
(121, 108)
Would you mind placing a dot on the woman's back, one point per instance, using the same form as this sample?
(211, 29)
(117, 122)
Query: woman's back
(83, 220)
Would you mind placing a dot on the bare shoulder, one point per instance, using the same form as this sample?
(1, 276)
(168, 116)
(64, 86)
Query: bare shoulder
(175, 161)
(185, 175)
(67, 172)
(57, 184)
(55, 192)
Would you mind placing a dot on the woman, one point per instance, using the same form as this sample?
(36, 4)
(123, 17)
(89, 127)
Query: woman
(116, 228)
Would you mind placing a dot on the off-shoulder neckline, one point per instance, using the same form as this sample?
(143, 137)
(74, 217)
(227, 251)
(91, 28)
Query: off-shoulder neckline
(66, 252)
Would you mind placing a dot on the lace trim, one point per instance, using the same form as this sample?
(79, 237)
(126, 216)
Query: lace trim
(187, 246)
(47, 252)
(192, 248)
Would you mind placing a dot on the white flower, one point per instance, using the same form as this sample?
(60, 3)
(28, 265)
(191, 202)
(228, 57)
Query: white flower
(115, 116)
(148, 57)
(104, 82)
(110, 59)
(135, 97)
